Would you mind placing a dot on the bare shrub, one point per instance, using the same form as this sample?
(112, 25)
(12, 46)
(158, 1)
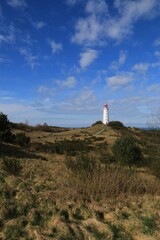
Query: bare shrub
(22, 140)
(154, 121)
(154, 164)
(12, 166)
(99, 182)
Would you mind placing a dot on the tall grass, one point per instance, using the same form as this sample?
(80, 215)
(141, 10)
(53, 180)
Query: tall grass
(91, 180)
(12, 166)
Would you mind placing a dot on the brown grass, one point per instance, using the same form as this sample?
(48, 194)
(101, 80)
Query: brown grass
(49, 200)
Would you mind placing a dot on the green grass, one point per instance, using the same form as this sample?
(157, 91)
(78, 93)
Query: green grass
(14, 232)
(149, 225)
(118, 233)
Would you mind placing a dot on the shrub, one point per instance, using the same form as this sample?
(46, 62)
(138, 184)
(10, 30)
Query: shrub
(116, 125)
(127, 151)
(12, 166)
(82, 164)
(70, 147)
(154, 164)
(21, 139)
(97, 123)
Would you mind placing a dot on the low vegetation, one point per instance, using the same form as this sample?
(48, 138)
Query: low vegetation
(83, 184)
(126, 151)
(11, 166)
(116, 125)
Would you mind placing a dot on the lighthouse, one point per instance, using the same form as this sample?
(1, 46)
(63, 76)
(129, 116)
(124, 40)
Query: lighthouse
(105, 114)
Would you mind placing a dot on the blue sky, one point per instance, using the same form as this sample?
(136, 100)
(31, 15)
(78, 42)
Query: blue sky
(62, 60)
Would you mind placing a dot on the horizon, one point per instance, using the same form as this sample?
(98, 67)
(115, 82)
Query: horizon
(78, 126)
(61, 61)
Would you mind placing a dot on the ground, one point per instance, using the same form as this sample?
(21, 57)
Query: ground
(45, 199)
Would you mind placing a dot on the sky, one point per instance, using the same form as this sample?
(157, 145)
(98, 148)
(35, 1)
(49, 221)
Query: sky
(62, 60)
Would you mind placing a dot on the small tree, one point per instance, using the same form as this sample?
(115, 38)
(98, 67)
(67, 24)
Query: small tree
(4, 123)
(5, 133)
(126, 150)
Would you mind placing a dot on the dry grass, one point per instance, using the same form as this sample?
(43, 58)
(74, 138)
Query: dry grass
(49, 200)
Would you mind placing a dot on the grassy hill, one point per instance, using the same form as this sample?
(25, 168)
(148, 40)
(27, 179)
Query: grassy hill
(65, 184)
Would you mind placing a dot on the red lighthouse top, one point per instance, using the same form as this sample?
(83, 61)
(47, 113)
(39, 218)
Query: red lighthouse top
(106, 106)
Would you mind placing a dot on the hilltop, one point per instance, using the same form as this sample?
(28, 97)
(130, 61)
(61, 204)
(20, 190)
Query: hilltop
(65, 184)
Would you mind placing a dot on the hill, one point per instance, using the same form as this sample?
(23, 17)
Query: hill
(66, 184)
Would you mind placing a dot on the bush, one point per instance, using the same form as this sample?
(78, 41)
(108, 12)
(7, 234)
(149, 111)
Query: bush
(12, 166)
(21, 139)
(82, 164)
(116, 125)
(69, 147)
(127, 151)
(154, 164)
(97, 123)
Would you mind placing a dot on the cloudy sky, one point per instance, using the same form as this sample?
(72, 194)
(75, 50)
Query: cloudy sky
(62, 60)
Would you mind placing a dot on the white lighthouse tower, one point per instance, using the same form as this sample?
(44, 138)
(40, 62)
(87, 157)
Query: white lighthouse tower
(105, 114)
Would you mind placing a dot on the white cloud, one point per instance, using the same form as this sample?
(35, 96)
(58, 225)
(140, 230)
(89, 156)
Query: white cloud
(129, 12)
(46, 91)
(88, 31)
(87, 57)
(121, 60)
(141, 67)
(56, 47)
(157, 53)
(14, 108)
(9, 36)
(4, 59)
(39, 25)
(122, 57)
(154, 87)
(120, 80)
(29, 57)
(6, 98)
(72, 2)
(98, 25)
(157, 42)
(3, 38)
(97, 7)
(70, 82)
(85, 101)
(17, 3)
(156, 64)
